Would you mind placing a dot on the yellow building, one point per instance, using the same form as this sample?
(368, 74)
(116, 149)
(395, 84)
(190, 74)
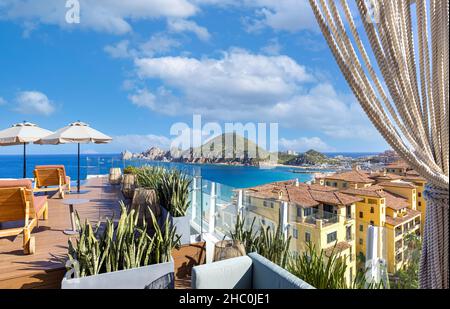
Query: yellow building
(404, 172)
(318, 215)
(389, 211)
(346, 180)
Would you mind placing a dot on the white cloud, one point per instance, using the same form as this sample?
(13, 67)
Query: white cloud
(182, 25)
(288, 15)
(2, 101)
(33, 102)
(139, 143)
(273, 47)
(158, 44)
(120, 50)
(110, 16)
(303, 144)
(238, 78)
(241, 86)
(143, 98)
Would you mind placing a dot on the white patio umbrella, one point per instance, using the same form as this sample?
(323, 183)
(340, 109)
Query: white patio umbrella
(22, 133)
(76, 133)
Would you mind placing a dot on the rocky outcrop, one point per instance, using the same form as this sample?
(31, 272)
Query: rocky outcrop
(127, 155)
(240, 151)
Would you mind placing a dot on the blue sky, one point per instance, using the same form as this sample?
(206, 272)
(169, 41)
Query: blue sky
(134, 68)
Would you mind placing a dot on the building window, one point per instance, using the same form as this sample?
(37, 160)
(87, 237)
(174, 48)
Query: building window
(331, 237)
(344, 185)
(307, 212)
(348, 211)
(372, 210)
(361, 214)
(327, 183)
(299, 211)
(265, 203)
(420, 204)
(361, 241)
(351, 274)
(295, 232)
(361, 228)
(271, 204)
(372, 223)
(349, 233)
(307, 237)
(372, 201)
(419, 194)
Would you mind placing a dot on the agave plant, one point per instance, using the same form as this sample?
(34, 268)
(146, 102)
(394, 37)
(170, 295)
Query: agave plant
(112, 247)
(323, 271)
(273, 245)
(172, 187)
(246, 236)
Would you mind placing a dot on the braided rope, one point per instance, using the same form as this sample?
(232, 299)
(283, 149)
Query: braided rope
(435, 239)
(420, 100)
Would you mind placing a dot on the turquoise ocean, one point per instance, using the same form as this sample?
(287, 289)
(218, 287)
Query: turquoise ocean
(99, 164)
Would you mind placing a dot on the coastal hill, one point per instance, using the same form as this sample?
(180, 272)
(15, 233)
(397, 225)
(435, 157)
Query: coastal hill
(228, 148)
(311, 157)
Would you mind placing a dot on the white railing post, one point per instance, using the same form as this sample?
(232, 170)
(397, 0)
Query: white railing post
(194, 199)
(240, 206)
(284, 218)
(212, 208)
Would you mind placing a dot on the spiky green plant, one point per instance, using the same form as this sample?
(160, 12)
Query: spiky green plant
(319, 269)
(130, 170)
(122, 245)
(246, 236)
(273, 245)
(172, 187)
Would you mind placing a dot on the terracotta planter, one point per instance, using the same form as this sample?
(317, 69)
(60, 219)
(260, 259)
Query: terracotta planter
(128, 185)
(115, 176)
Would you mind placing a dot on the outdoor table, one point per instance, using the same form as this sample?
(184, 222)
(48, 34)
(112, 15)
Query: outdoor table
(71, 203)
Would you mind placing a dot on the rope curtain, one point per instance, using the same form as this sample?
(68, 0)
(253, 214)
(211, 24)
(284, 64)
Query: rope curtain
(399, 75)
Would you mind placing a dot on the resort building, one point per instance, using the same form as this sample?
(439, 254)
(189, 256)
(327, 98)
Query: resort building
(316, 215)
(346, 180)
(407, 174)
(388, 201)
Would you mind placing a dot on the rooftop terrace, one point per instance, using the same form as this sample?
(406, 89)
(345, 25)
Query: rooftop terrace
(45, 269)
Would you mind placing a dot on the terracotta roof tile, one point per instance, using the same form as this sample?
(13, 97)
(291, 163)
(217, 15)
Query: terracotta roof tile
(396, 201)
(338, 248)
(351, 176)
(398, 164)
(372, 191)
(402, 184)
(303, 194)
(399, 220)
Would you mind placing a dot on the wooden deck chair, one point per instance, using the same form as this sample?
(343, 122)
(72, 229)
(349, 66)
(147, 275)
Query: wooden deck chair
(51, 178)
(17, 203)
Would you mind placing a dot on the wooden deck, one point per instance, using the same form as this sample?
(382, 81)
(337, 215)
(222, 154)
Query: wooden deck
(45, 268)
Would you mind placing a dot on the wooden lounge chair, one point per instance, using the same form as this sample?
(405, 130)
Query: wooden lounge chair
(51, 178)
(17, 203)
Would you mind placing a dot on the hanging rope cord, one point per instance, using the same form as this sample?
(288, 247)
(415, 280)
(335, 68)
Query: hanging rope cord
(413, 116)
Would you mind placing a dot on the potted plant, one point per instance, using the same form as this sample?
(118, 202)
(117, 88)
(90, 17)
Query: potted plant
(121, 255)
(128, 183)
(172, 188)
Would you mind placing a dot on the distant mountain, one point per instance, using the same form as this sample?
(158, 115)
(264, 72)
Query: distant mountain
(311, 157)
(228, 148)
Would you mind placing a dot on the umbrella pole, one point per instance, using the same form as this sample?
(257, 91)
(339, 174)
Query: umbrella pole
(24, 160)
(78, 181)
